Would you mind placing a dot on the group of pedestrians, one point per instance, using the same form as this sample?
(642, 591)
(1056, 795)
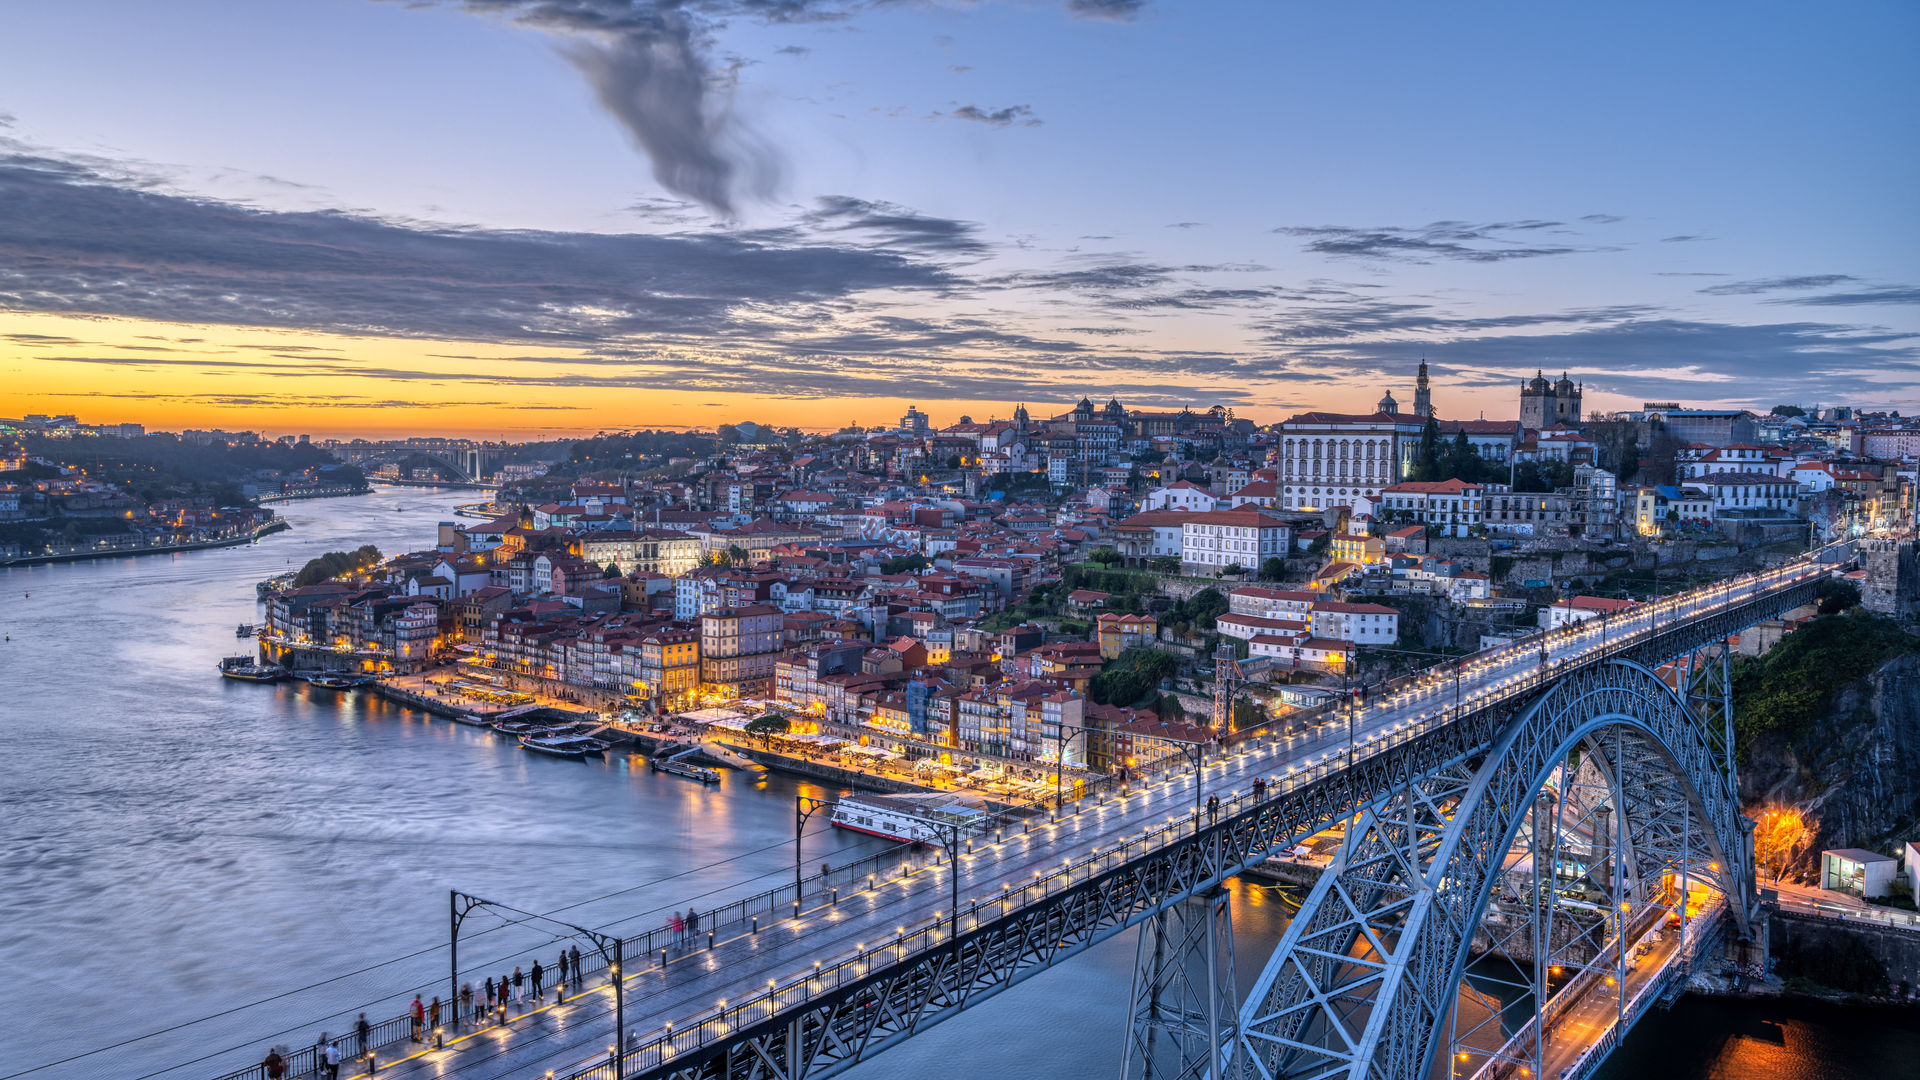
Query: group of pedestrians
(520, 987)
(686, 928)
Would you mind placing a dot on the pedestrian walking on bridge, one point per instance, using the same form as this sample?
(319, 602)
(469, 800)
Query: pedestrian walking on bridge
(539, 975)
(519, 985)
(693, 924)
(679, 927)
(365, 1032)
(433, 1013)
(560, 988)
(579, 975)
(275, 1065)
(418, 1014)
(466, 1004)
(1213, 809)
(332, 1060)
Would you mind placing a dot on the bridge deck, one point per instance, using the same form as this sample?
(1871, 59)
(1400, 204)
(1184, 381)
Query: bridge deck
(742, 964)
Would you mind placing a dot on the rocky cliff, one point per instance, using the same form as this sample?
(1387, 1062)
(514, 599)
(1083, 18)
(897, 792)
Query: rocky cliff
(1853, 771)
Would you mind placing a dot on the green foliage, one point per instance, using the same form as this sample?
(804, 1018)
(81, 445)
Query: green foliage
(335, 563)
(1247, 713)
(1202, 608)
(1105, 556)
(769, 724)
(1836, 595)
(1786, 691)
(1132, 677)
(1273, 569)
(1788, 410)
(1538, 476)
(167, 462)
(904, 564)
(1165, 564)
(1319, 547)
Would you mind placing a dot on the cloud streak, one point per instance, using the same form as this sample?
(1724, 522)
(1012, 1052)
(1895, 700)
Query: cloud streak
(1457, 241)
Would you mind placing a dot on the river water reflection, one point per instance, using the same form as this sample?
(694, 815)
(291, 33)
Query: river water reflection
(174, 846)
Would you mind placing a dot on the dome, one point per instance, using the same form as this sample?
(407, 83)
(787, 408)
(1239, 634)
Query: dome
(1387, 404)
(1538, 382)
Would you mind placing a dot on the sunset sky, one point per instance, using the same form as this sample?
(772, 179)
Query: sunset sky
(533, 218)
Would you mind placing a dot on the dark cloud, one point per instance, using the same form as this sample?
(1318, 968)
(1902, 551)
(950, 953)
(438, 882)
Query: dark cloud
(1012, 114)
(72, 243)
(1684, 238)
(1112, 10)
(792, 50)
(1602, 219)
(1876, 294)
(649, 62)
(1452, 240)
(894, 226)
(1778, 284)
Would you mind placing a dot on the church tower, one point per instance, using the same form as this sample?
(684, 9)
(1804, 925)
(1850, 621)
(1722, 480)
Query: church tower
(1422, 396)
(1536, 403)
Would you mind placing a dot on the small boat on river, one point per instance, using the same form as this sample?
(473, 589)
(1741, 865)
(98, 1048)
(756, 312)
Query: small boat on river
(565, 746)
(243, 630)
(334, 680)
(246, 669)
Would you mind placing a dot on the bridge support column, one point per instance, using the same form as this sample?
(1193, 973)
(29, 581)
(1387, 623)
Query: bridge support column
(1185, 1008)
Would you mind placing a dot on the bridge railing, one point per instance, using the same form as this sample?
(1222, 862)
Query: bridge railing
(1700, 930)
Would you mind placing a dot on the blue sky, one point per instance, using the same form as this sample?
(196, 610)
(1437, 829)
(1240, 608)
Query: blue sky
(1268, 205)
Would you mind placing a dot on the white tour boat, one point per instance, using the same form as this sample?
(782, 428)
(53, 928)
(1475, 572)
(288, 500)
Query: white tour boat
(908, 818)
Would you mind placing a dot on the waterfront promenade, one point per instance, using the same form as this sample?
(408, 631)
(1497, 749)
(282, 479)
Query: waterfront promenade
(144, 545)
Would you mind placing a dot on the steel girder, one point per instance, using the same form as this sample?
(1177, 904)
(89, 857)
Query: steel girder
(1367, 973)
(1184, 1001)
(842, 1025)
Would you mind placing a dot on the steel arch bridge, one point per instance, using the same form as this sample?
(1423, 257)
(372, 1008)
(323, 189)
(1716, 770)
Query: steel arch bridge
(1360, 986)
(1368, 974)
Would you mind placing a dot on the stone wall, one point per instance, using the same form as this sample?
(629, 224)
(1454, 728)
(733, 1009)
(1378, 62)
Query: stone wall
(1892, 586)
(1811, 947)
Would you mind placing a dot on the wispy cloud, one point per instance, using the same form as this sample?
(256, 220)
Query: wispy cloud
(1007, 117)
(1450, 240)
(1777, 284)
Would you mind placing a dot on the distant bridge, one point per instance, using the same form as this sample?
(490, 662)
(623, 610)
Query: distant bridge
(463, 461)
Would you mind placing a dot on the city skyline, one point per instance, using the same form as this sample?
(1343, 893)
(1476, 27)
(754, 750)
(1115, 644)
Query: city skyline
(530, 221)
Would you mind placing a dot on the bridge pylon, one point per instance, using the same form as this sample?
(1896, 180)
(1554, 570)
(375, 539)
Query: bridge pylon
(1185, 1008)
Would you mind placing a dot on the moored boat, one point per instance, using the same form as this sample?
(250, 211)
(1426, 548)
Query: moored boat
(246, 669)
(333, 680)
(562, 746)
(243, 630)
(690, 771)
(908, 818)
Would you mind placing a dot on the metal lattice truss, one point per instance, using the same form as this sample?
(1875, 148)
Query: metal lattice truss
(1416, 836)
(1185, 1002)
(1368, 973)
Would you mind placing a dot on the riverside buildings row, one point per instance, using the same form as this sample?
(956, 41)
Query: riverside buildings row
(863, 579)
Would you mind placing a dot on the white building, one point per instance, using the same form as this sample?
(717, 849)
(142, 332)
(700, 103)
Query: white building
(1361, 624)
(1452, 506)
(1181, 495)
(1222, 538)
(1329, 459)
(1579, 609)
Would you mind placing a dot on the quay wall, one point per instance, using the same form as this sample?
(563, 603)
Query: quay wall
(814, 770)
(1810, 945)
(277, 525)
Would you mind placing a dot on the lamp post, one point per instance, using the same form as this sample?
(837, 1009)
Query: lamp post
(804, 807)
(610, 948)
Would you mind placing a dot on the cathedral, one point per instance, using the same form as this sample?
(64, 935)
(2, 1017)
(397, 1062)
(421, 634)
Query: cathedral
(1544, 404)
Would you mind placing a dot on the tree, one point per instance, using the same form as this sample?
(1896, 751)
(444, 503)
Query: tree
(1789, 411)
(1273, 569)
(1836, 595)
(737, 555)
(1232, 570)
(767, 726)
(1247, 714)
(1164, 564)
(904, 564)
(953, 461)
(612, 571)
(1105, 556)
(1426, 460)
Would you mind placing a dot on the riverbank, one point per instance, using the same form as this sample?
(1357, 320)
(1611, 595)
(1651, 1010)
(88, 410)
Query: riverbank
(116, 551)
(317, 493)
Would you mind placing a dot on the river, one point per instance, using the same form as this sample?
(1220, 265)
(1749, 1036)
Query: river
(176, 847)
